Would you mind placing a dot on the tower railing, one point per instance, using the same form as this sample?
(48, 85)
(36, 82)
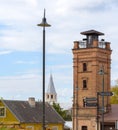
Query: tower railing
(84, 44)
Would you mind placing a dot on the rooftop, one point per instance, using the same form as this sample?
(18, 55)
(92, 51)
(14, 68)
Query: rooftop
(92, 32)
(113, 115)
(24, 112)
(51, 87)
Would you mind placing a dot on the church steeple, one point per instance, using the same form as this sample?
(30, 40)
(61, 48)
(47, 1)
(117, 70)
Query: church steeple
(51, 95)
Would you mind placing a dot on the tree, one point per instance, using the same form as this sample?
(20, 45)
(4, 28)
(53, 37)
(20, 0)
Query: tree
(61, 112)
(114, 98)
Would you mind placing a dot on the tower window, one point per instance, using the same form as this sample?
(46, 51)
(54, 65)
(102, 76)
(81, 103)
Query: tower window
(84, 127)
(84, 84)
(84, 67)
(47, 96)
(84, 103)
(51, 96)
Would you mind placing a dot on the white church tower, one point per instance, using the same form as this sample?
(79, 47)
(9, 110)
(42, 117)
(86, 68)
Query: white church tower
(51, 95)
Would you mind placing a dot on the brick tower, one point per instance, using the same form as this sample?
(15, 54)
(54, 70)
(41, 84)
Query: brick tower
(90, 56)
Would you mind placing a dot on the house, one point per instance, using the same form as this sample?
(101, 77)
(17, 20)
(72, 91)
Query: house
(111, 118)
(27, 115)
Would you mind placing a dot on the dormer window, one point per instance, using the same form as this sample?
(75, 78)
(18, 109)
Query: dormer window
(84, 67)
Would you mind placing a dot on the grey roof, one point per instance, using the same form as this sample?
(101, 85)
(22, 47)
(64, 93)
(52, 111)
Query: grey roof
(51, 88)
(27, 114)
(92, 32)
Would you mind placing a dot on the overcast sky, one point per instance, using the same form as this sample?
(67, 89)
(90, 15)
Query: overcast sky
(21, 43)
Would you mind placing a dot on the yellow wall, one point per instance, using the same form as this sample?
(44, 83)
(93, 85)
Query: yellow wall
(31, 126)
(9, 118)
(52, 126)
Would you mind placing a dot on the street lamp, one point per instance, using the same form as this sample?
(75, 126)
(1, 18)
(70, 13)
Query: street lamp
(101, 72)
(43, 24)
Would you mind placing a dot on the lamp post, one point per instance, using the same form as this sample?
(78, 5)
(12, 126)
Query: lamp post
(101, 72)
(43, 24)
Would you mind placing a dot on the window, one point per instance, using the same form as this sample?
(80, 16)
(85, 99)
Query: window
(54, 128)
(84, 127)
(47, 96)
(89, 41)
(51, 96)
(84, 103)
(84, 67)
(2, 111)
(29, 128)
(84, 84)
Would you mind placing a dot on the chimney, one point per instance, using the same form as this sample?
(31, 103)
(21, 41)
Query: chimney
(31, 101)
(76, 45)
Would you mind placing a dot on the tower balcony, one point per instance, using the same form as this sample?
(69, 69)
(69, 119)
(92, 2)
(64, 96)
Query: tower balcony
(94, 44)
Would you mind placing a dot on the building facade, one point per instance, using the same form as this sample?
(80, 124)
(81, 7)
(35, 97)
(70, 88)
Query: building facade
(91, 75)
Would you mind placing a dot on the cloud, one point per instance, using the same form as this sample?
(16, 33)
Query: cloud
(20, 85)
(25, 62)
(15, 40)
(29, 84)
(23, 34)
(5, 52)
(32, 3)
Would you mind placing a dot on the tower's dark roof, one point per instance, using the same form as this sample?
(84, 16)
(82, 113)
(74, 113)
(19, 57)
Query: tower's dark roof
(92, 32)
(27, 114)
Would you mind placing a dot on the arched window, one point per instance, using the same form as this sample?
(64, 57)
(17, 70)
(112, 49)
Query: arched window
(84, 67)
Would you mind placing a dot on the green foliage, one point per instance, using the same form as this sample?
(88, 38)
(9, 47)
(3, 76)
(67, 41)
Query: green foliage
(62, 113)
(114, 98)
(59, 109)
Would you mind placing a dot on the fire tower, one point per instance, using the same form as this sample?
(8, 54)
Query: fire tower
(90, 56)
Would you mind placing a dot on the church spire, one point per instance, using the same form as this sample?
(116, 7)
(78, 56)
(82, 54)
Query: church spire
(51, 95)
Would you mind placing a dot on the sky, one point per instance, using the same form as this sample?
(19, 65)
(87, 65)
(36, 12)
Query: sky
(21, 43)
